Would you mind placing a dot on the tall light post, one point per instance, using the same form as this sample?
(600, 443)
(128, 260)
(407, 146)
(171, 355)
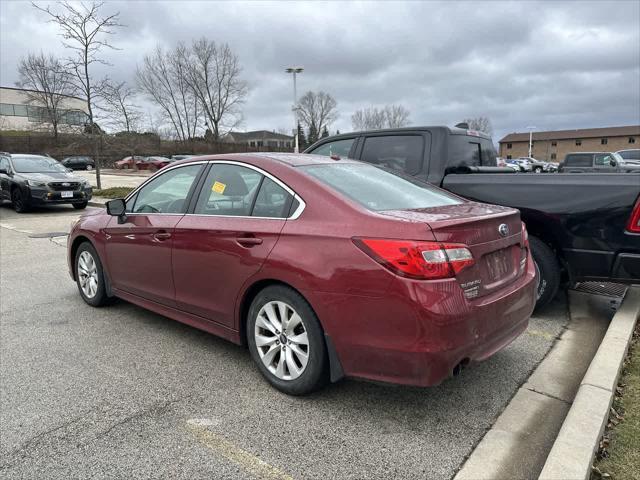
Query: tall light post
(531, 129)
(295, 71)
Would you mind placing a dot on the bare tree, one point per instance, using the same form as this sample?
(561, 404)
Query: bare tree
(482, 124)
(85, 31)
(390, 116)
(119, 107)
(47, 83)
(316, 110)
(163, 77)
(214, 76)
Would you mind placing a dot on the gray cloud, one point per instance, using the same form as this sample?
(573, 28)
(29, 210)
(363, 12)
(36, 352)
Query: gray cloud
(550, 64)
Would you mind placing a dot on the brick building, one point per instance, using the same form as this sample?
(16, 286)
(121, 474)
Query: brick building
(552, 146)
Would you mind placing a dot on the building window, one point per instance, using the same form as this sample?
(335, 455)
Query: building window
(508, 157)
(509, 145)
(554, 144)
(252, 143)
(604, 141)
(578, 142)
(553, 156)
(632, 140)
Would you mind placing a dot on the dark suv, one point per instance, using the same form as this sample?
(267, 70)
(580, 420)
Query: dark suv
(596, 162)
(79, 163)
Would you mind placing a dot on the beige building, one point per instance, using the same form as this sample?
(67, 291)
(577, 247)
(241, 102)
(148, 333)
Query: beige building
(552, 146)
(260, 138)
(18, 113)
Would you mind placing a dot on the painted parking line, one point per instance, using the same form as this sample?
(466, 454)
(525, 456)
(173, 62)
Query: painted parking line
(221, 446)
(541, 333)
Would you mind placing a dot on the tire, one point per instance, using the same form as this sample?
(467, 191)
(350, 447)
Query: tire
(547, 270)
(310, 376)
(125, 167)
(19, 203)
(153, 168)
(89, 167)
(538, 170)
(83, 270)
(80, 206)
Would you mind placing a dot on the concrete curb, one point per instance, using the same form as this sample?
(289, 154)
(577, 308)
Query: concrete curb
(96, 203)
(573, 451)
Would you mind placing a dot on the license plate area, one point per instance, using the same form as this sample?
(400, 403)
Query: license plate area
(66, 194)
(498, 264)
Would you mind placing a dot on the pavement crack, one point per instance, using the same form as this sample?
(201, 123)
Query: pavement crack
(547, 395)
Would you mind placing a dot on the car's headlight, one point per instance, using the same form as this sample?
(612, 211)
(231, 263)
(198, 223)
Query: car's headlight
(35, 183)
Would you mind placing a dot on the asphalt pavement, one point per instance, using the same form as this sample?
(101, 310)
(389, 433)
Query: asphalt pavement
(119, 392)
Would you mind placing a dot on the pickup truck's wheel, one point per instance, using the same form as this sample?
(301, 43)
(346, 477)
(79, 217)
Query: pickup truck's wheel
(538, 170)
(547, 271)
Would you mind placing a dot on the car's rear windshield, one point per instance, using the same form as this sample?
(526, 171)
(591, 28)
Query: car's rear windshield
(24, 164)
(377, 189)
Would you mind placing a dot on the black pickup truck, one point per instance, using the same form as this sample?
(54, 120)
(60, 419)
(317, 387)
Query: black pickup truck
(583, 226)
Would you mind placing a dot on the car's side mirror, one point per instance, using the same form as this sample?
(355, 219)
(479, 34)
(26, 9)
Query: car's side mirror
(4, 170)
(117, 208)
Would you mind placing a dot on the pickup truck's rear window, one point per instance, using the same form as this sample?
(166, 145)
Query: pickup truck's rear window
(471, 151)
(377, 189)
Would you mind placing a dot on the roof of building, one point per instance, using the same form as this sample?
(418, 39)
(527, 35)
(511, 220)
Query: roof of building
(571, 134)
(259, 135)
(31, 90)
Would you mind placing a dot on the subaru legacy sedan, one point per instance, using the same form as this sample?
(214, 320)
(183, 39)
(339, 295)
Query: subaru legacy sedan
(323, 268)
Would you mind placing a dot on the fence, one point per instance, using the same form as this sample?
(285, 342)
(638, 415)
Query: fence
(110, 148)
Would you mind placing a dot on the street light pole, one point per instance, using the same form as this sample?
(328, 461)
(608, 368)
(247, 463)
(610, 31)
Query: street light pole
(295, 71)
(531, 129)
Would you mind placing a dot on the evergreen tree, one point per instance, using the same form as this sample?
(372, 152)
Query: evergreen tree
(302, 139)
(312, 137)
(325, 132)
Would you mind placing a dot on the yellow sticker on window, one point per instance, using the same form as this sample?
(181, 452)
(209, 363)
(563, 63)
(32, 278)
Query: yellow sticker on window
(218, 187)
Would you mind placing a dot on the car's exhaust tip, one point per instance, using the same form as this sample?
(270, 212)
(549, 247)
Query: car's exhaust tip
(458, 368)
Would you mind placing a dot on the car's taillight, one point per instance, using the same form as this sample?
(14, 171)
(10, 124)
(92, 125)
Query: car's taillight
(634, 220)
(416, 259)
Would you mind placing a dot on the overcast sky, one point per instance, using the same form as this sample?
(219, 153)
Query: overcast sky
(549, 64)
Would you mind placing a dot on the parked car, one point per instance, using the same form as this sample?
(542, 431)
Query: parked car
(535, 166)
(136, 161)
(631, 156)
(33, 180)
(79, 163)
(519, 165)
(156, 163)
(181, 157)
(596, 162)
(323, 268)
(582, 226)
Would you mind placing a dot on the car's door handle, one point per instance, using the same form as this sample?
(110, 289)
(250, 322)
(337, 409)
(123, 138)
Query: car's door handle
(249, 241)
(161, 235)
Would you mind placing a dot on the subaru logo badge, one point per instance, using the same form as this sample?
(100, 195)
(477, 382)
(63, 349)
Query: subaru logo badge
(66, 184)
(503, 229)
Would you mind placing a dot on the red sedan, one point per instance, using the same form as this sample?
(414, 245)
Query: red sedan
(140, 163)
(324, 268)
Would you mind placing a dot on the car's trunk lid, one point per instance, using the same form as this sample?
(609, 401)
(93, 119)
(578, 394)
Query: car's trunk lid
(493, 234)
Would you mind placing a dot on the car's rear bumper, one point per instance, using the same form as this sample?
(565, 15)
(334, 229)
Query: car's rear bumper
(420, 331)
(599, 265)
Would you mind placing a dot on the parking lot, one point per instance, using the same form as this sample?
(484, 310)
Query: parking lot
(122, 392)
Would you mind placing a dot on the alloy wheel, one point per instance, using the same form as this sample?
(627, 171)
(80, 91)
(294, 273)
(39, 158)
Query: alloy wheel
(281, 340)
(88, 274)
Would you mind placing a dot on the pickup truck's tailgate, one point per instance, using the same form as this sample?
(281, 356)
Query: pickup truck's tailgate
(493, 234)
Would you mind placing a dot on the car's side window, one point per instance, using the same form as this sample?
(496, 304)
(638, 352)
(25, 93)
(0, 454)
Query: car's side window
(579, 160)
(228, 190)
(398, 152)
(168, 192)
(4, 163)
(272, 200)
(603, 160)
(338, 147)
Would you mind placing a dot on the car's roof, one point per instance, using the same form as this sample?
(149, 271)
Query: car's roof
(291, 159)
(587, 153)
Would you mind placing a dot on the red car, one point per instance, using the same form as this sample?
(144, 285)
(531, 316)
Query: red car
(156, 163)
(324, 268)
(140, 163)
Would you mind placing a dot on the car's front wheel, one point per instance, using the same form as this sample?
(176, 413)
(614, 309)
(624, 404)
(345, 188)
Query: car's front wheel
(19, 203)
(90, 276)
(286, 341)
(80, 206)
(538, 169)
(89, 167)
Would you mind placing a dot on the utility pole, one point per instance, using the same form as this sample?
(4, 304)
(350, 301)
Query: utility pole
(295, 71)
(531, 129)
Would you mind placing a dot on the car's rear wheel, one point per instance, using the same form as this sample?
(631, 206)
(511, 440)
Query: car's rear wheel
(80, 206)
(538, 169)
(89, 167)
(547, 271)
(90, 276)
(18, 200)
(125, 167)
(286, 341)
